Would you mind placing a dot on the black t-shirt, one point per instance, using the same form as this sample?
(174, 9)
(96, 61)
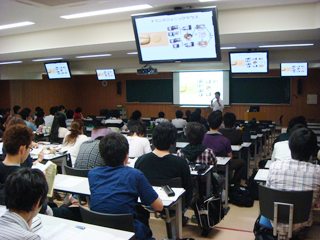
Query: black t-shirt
(234, 136)
(167, 167)
(5, 171)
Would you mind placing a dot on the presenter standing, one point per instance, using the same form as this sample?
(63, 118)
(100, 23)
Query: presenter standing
(217, 103)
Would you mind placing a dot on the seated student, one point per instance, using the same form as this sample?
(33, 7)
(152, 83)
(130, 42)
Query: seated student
(138, 144)
(115, 188)
(222, 146)
(161, 118)
(69, 120)
(39, 120)
(99, 130)
(188, 116)
(297, 174)
(179, 122)
(49, 119)
(58, 128)
(78, 113)
(230, 132)
(73, 140)
(25, 114)
(202, 119)
(161, 164)
(281, 150)
(136, 116)
(115, 123)
(25, 191)
(62, 110)
(196, 117)
(16, 109)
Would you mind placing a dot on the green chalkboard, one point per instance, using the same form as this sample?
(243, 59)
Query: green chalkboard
(260, 90)
(149, 91)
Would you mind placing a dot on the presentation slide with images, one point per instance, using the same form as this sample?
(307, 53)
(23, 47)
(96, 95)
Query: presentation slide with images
(178, 36)
(105, 74)
(199, 87)
(294, 69)
(253, 62)
(58, 70)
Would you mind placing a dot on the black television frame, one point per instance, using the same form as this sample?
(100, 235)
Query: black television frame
(215, 27)
(265, 51)
(106, 79)
(293, 75)
(57, 63)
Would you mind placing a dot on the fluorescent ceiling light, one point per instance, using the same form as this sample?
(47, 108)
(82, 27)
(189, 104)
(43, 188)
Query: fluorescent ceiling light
(46, 59)
(132, 53)
(107, 11)
(93, 56)
(13, 62)
(287, 45)
(208, 0)
(228, 48)
(14, 25)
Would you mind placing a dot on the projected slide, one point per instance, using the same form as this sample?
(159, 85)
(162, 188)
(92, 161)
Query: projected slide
(294, 69)
(249, 62)
(57, 70)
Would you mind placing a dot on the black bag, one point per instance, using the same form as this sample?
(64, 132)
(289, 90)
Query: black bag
(253, 186)
(239, 195)
(262, 233)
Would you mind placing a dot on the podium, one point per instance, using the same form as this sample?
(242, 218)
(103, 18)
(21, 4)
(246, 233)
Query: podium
(257, 115)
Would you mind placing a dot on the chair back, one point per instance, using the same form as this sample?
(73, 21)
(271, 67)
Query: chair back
(302, 201)
(116, 221)
(172, 182)
(76, 172)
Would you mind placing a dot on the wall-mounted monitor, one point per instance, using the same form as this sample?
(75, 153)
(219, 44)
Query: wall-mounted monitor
(249, 62)
(294, 69)
(177, 36)
(58, 70)
(105, 74)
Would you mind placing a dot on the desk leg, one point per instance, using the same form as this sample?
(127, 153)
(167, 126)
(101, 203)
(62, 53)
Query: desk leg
(255, 153)
(227, 189)
(248, 162)
(261, 148)
(178, 224)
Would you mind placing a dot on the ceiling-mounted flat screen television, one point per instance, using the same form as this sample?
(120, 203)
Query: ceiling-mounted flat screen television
(190, 35)
(105, 74)
(58, 70)
(249, 62)
(294, 69)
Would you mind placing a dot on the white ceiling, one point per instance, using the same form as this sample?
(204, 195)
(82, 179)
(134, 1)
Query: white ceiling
(46, 15)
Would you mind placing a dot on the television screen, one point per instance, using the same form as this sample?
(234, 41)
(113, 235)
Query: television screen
(249, 62)
(58, 70)
(177, 36)
(105, 74)
(294, 69)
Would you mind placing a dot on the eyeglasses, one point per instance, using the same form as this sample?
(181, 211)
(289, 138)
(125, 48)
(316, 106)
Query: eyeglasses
(31, 148)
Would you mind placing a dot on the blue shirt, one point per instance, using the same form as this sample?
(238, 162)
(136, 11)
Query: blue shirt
(116, 190)
(31, 125)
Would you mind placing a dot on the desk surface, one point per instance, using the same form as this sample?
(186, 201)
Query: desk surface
(47, 156)
(268, 164)
(222, 161)
(236, 148)
(262, 175)
(246, 144)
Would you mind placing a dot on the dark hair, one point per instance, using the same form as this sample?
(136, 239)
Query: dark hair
(16, 136)
(295, 127)
(39, 120)
(69, 114)
(229, 119)
(61, 107)
(215, 119)
(136, 115)
(217, 93)
(195, 133)
(113, 149)
(38, 109)
(28, 111)
(195, 117)
(179, 114)
(164, 135)
(161, 114)
(297, 120)
(188, 115)
(115, 113)
(104, 112)
(16, 108)
(76, 129)
(24, 114)
(198, 110)
(137, 127)
(59, 120)
(302, 143)
(13, 120)
(53, 110)
(78, 110)
(40, 113)
(23, 188)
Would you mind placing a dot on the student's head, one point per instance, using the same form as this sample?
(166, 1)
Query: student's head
(104, 112)
(198, 110)
(188, 113)
(136, 115)
(217, 95)
(40, 113)
(229, 119)
(76, 130)
(115, 113)
(195, 117)
(17, 139)
(164, 136)
(62, 120)
(53, 110)
(114, 149)
(302, 143)
(78, 110)
(195, 133)
(297, 120)
(24, 114)
(179, 114)
(26, 190)
(161, 114)
(7, 111)
(137, 127)
(16, 109)
(38, 109)
(295, 127)
(215, 119)
(70, 114)
(14, 120)
(61, 108)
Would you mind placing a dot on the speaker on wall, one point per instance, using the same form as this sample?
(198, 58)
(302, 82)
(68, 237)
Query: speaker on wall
(118, 87)
(299, 86)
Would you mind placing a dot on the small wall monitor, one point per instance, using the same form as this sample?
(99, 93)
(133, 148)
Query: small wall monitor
(58, 70)
(105, 74)
(254, 108)
(177, 36)
(249, 62)
(294, 69)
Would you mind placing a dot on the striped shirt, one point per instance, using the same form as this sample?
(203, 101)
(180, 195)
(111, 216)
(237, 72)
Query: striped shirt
(207, 157)
(294, 175)
(13, 226)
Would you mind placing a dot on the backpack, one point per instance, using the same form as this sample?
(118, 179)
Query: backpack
(240, 195)
(261, 232)
(253, 186)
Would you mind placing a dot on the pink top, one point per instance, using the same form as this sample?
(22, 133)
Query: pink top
(100, 132)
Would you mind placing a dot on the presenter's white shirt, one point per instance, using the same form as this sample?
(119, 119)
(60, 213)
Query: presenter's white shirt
(281, 151)
(215, 105)
(138, 146)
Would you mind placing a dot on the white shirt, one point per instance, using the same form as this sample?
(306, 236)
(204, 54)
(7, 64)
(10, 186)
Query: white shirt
(138, 146)
(62, 131)
(160, 120)
(179, 122)
(215, 105)
(281, 151)
(74, 149)
(48, 120)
